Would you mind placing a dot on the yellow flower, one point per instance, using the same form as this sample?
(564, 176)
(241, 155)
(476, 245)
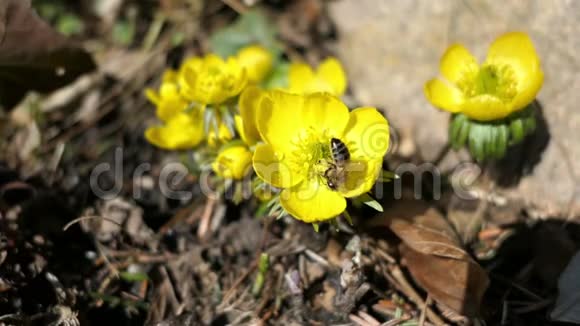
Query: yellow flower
(329, 77)
(167, 100)
(182, 131)
(257, 61)
(211, 80)
(506, 82)
(246, 120)
(296, 156)
(233, 162)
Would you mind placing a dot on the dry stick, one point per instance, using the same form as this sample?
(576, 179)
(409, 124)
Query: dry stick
(240, 279)
(189, 214)
(517, 286)
(424, 309)
(236, 6)
(105, 107)
(414, 296)
(206, 217)
(84, 218)
(170, 289)
(396, 321)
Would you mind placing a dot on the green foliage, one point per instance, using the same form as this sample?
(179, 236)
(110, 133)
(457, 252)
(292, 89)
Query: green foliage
(57, 14)
(371, 202)
(491, 140)
(252, 27)
(133, 277)
(278, 78)
(70, 25)
(114, 301)
(263, 266)
(123, 32)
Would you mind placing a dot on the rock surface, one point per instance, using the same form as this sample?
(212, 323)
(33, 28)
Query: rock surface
(390, 48)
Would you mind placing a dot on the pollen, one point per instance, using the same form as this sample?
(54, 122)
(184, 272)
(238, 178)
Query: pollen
(310, 152)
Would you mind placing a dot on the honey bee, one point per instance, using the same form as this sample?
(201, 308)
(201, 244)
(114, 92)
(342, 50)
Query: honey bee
(341, 165)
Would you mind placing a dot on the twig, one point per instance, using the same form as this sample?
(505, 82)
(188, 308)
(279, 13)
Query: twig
(237, 282)
(408, 289)
(396, 321)
(517, 286)
(84, 218)
(236, 6)
(534, 306)
(206, 217)
(424, 310)
(317, 258)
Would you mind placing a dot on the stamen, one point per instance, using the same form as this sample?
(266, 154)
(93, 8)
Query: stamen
(494, 79)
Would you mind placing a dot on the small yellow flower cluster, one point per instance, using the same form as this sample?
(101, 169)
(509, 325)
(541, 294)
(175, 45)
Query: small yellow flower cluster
(286, 139)
(201, 81)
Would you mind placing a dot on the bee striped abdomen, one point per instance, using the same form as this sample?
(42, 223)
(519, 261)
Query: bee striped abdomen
(339, 151)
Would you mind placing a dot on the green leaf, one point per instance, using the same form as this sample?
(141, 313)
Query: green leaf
(371, 202)
(133, 277)
(490, 148)
(264, 263)
(124, 32)
(278, 78)
(475, 142)
(387, 176)
(459, 131)
(502, 141)
(517, 131)
(347, 217)
(316, 227)
(69, 24)
(252, 27)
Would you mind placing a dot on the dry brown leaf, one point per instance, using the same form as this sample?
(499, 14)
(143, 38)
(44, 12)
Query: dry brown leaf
(431, 251)
(33, 56)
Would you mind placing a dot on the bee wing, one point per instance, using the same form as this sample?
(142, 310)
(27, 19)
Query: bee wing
(354, 173)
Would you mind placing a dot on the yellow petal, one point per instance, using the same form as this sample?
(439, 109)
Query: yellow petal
(360, 180)
(211, 80)
(248, 105)
(311, 202)
(278, 118)
(444, 96)
(152, 96)
(331, 71)
(236, 77)
(257, 61)
(168, 108)
(528, 92)
(517, 50)
(233, 162)
(239, 124)
(284, 118)
(485, 108)
(184, 131)
(299, 75)
(169, 76)
(273, 171)
(367, 134)
(455, 61)
(325, 113)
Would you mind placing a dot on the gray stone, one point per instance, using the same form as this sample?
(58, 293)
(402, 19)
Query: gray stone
(390, 48)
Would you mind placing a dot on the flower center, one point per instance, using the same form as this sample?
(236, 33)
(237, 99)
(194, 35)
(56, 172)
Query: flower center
(310, 154)
(493, 79)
